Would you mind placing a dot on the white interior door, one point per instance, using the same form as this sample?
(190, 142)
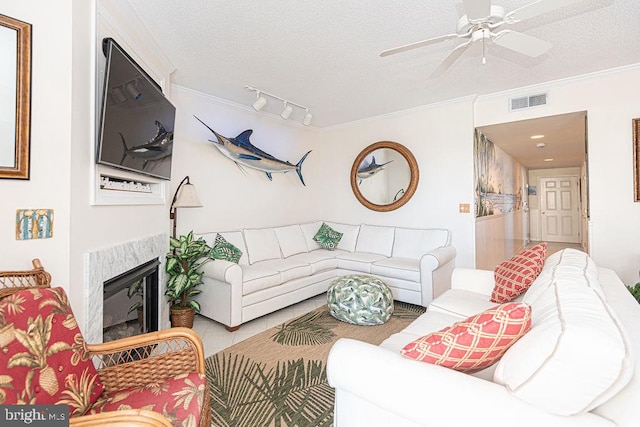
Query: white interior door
(560, 209)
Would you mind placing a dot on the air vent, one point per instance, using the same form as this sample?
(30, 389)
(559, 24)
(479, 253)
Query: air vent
(527, 101)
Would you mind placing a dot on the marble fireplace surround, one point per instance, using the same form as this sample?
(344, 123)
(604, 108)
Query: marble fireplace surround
(105, 263)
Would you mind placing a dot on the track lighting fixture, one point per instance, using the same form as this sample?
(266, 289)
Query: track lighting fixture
(133, 90)
(287, 111)
(307, 118)
(260, 102)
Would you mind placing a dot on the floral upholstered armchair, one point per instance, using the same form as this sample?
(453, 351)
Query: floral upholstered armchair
(155, 379)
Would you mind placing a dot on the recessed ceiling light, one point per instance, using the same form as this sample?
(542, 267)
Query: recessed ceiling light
(548, 160)
(540, 144)
(536, 136)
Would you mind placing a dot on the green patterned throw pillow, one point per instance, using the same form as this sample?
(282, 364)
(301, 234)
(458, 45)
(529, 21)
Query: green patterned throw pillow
(327, 237)
(225, 250)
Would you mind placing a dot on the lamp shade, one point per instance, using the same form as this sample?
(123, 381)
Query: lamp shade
(187, 197)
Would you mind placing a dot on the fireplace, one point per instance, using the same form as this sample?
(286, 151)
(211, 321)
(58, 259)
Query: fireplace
(103, 264)
(130, 303)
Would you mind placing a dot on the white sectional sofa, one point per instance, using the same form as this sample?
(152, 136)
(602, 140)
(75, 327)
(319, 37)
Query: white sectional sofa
(283, 265)
(577, 366)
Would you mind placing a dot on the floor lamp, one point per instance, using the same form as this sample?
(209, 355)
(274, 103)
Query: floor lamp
(184, 197)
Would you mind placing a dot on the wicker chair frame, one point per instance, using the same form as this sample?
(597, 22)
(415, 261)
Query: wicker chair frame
(128, 362)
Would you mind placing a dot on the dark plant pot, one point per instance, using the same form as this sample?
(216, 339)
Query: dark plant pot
(182, 317)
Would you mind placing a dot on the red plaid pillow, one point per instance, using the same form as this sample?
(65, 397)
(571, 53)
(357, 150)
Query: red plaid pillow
(42, 357)
(475, 343)
(515, 275)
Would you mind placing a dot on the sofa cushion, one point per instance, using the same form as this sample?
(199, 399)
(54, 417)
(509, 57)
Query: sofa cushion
(327, 237)
(309, 230)
(43, 358)
(398, 268)
(289, 269)
(514, 276)
(225, 250)
(413, 243)
(461, 303)
(256, 277)
(179, 399)
(357, 261)
(319, 260)
(577, 354)
(376, 240)
(474, 343)
(291, 240)
(262, 244)
(349, 235)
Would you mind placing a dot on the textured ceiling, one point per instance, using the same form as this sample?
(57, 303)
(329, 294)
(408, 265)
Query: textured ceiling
(325, 54)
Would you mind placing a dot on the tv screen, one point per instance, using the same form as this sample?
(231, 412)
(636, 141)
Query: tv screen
(136, 120)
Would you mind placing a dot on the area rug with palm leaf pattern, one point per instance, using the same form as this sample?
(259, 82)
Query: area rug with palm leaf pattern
(278, 377)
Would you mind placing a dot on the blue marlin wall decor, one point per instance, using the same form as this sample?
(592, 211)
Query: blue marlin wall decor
(244, 153)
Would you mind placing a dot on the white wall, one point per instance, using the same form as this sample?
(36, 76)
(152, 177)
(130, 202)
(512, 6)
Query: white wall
(51, 131)
(441, 139)
(231, 199)
(611, 102)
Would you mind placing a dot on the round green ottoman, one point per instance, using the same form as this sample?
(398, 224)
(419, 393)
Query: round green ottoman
(360, 299)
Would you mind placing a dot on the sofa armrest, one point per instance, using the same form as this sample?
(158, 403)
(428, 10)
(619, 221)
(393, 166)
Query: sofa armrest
(225, 271)
(474, 280)
(435, 272)
(431, 395)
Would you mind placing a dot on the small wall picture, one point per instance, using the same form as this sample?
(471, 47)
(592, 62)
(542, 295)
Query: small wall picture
(533, 190)
(34, 224)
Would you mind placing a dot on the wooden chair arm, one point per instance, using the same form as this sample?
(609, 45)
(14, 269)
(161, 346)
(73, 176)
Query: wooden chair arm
(128, 417)
(143, 359)
(14, 281)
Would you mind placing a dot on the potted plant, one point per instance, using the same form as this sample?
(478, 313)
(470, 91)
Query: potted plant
(183, 267)
(635, 291)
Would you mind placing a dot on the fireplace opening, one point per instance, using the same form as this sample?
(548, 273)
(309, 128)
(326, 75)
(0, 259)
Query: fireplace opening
(130, 305)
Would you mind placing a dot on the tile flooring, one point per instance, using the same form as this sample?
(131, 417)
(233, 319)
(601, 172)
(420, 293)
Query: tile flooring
(553, 247)
(216, 338)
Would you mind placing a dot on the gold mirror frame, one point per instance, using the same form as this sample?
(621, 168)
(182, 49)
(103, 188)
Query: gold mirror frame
(20, 169)
(413, 168)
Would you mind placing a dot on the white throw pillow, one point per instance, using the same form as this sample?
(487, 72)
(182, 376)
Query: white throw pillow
(576, 355)
(262, 244)
(413, 243)
(349, 235)
(375, 240)
(291, 240)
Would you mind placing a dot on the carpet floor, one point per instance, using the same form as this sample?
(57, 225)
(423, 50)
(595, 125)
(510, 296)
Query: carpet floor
(278, 377)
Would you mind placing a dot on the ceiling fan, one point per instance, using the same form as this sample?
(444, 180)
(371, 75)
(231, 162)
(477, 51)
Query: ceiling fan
(484, 21)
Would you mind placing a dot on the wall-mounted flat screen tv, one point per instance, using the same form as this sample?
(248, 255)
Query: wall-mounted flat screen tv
(136, 120)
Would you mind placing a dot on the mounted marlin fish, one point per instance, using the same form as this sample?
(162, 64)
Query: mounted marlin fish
(157, 148)
(243, 152)
(368, 170)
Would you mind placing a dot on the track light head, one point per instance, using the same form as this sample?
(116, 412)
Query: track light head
(307, 118)
(286, 112)
(133, 90)
(260, 102)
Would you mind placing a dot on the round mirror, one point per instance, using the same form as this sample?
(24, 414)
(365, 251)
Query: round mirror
(384, 176)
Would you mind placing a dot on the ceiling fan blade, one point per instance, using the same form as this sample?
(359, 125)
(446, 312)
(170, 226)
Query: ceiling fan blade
(536, 8)
(450, 59)
(416, 45)
(522, 43)
(477, 9)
